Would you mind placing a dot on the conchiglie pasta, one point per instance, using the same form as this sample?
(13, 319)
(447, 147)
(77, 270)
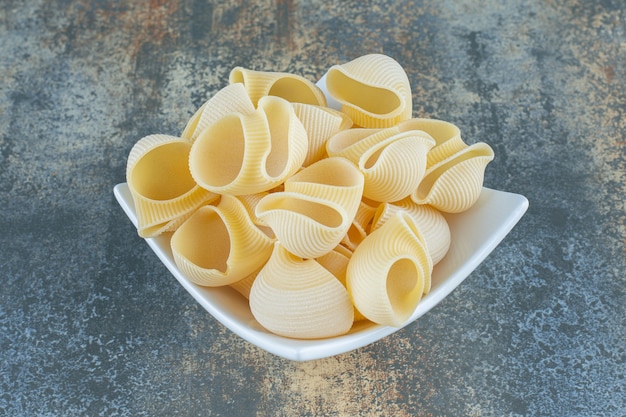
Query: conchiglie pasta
(447, 137)
(249, 153)
(230, 99)
(298, 298)
(373, 90)
(320, 124)
(161, 185)
(219, 245)
(393, 162)
(428, 220)
(389, 272)
(291, 87)
(454, 184)
(316, 209)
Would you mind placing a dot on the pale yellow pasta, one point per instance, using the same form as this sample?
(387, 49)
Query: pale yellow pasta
(293, 88)
(429, 221)
(393, 162)
(230, 99)
(316, 209)
(454, 184)
(320, 218)
(320, 124)
(360, 225)
(390, 271)
(298, 298)
(332, 179)
(249, 153)
(250, 201)
(373, 90)
(163, 191)
(447, 137)
(244, 286)
(336, 262)
(219, 245)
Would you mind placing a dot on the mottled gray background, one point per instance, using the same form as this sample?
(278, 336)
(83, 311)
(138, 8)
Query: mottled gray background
(92, 324)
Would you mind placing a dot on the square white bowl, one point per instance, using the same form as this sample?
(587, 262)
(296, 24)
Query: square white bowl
(475, 233)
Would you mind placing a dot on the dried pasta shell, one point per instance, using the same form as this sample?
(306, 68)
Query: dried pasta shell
(250, 201)
(230, 99)
(299, 298)
(390, 271)
(429, 221)
(249, 153)
(316, 209)
(373, 90)
(336, 262)
(161, 185)
(447, 137)
(219, 245)
(360, 225)
(320, 124)
(244, 286)
(293, 88)
(454, 184)
(331, 179)
(393, 162)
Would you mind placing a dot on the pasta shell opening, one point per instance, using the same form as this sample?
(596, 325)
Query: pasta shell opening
(291, 87)
(163, 172)
(389, 271)
(340, 143)
(403, 287)
(371, 99)
(219, 245)
(447, 137)
(294, 90)
(315, 211)
(453, 185)
(278, 117)
(207, 250)
(217, 155)
(432, 225)
(373, 90)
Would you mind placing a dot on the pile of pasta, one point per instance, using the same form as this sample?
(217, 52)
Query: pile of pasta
(321, 217)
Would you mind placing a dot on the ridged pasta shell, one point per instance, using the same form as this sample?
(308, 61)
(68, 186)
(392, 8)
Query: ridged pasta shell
(230, 99)
(320, 124)
(293, 88)
(249, 153)
(360, 225)
(250, 201)
(374, 91)
(447, 137)
(244, 286)
(454, 184)
(219, 245)
(332, 179)
(393, 162)
(316, 209)
(161, 185)
(429, 221)
(299, 298)
(390, 271)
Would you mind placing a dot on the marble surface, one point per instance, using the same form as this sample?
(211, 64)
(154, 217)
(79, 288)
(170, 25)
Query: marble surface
(92, 324)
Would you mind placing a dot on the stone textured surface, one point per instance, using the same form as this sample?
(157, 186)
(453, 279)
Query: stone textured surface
(92, 324)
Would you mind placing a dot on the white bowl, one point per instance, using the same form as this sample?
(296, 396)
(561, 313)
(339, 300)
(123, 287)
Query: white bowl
(475, 233)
